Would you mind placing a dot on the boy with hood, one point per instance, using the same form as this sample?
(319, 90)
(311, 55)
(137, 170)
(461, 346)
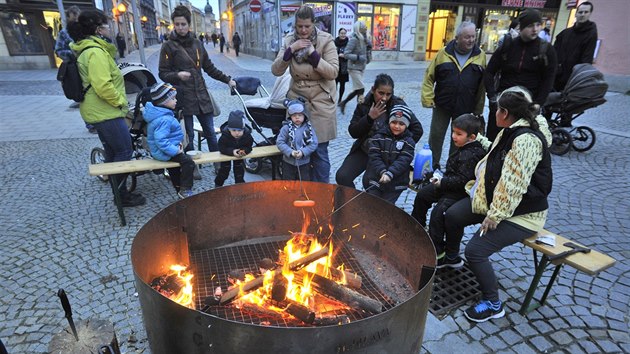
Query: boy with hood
(165, 137)
(236, 140)
(297, 141)
(390, 155)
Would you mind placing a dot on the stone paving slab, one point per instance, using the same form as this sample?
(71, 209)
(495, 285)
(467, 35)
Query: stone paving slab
(60, 229)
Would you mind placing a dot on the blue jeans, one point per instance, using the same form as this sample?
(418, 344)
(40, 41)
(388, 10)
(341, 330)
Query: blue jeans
(321, 164)
(116, 140)
(207, 124)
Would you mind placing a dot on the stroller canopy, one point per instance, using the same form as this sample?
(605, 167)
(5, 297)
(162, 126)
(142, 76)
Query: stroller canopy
(585, 89)
(136, 77)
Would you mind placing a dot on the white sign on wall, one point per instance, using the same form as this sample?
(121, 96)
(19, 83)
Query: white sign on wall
(408, 28)
(344, 18)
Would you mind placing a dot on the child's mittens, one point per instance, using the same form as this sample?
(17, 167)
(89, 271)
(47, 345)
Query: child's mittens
(385, 178)
(297, 154)
(239, 152)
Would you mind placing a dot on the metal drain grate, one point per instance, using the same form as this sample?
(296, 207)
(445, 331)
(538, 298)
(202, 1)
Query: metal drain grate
(211, 267)
(451, 289)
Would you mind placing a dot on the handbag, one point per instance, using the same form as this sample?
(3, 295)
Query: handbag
(216, 110)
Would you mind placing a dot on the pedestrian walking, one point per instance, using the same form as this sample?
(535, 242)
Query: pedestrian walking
(221, 42)
(358, 53)
(342, 77)
(236, 42)
(122, 45)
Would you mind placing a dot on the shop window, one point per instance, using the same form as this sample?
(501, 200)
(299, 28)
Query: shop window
(441, 30)
(22, 33)
(323, 15)
(383, 24)
(496, 23)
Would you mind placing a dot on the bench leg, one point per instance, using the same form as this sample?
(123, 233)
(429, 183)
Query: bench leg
(540, 267)
(113, 181)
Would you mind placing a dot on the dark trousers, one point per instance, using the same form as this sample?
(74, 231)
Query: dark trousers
(440, 121)
(116, 140)
(388, 195)
(182, 177)
(224, 172)
(342, 89)
(237, 48)
(457, 217)
(290, 172)
(321, 164)
(480, 248)
(353, 165)
(492, 130)
(221, 47)
(207, 124)
(121, 51)
(425, 198)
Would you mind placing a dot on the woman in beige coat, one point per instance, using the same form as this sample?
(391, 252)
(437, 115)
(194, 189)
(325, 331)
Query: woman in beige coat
(311, 57)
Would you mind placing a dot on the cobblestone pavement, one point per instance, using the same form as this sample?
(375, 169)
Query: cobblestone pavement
(59, 227)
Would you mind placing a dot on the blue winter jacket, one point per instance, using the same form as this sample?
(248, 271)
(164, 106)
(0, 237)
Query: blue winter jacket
(164, 132)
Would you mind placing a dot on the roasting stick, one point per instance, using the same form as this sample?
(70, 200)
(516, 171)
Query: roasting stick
(258, 282)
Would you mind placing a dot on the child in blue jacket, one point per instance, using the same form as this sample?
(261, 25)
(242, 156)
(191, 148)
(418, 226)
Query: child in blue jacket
(165, 137)
(296, 141)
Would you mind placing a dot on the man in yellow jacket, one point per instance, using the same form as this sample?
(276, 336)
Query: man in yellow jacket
(453, 85)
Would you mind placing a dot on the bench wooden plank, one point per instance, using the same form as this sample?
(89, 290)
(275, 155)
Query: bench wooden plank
(591, 263)
(112, 168)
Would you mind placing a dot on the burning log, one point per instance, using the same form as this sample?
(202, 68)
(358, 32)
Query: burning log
(352, 280)
(168, 285)
(344, 294)
(279, 287)
(254, 284)
(331, 320)
(299, 311)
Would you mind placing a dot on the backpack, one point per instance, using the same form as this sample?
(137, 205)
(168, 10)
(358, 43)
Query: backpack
(71, 83)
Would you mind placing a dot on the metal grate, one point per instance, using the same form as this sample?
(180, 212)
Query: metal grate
(451, 289)
(211, 267)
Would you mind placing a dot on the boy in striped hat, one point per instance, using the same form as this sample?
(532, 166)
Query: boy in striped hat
(165, 137)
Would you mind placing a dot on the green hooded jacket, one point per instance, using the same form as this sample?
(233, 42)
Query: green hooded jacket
(106, 98)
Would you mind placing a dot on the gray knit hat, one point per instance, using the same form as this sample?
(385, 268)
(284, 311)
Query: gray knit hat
(162, 92)
(236, 120)
(400, 113)
(296, 106)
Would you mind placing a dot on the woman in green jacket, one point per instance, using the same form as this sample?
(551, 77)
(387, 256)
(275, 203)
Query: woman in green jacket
(105, 103)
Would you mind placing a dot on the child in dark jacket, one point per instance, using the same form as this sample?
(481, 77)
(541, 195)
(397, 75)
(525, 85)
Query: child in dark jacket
(236, 140)
(389, 157)
(165, 137)
(296, 141)
(460, 168)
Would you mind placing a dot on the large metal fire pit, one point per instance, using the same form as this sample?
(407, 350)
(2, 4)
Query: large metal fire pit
(264, 209)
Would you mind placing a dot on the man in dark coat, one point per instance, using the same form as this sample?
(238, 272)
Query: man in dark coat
(221, 42)
(122, 45)
(526, 61)
(236, 42)
(575, 45)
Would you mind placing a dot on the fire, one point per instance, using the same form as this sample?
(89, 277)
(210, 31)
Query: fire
(176, 285)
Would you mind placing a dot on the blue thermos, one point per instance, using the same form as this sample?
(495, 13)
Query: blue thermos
(423, 163)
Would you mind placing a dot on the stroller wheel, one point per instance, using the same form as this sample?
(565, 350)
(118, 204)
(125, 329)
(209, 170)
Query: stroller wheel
(98, 156)
(253, 165)
(561, 142)
(583, 138)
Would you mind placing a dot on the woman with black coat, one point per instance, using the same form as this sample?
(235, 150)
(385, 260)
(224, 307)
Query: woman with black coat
(340, 42)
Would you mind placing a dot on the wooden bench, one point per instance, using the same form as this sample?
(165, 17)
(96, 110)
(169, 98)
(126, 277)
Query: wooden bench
(590, 263)
(115, 168)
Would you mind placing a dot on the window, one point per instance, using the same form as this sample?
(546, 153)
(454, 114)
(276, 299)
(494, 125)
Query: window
(22, 33)
(383, 24)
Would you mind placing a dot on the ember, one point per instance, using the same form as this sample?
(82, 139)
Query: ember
(176, 285)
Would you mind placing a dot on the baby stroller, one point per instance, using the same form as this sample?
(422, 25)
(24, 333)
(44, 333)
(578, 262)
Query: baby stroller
(267, 111)
(137, 78)
(584, 90)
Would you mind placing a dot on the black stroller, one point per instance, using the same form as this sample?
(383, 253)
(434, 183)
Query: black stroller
(267, 111)
(137, 78)
(584, 90)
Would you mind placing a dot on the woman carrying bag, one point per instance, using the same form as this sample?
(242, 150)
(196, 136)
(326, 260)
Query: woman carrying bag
(182, 59)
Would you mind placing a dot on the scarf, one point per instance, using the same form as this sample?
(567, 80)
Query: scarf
(301, 56)
(307, 137)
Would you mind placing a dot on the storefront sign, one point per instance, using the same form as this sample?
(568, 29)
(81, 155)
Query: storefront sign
(535, 3)
(512, 3)
(365, 8)
(407, 28)
(344, 17)
(571, 3)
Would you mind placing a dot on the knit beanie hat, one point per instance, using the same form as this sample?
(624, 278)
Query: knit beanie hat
(236, 120)
(528, 17)
(296, 106)
(160, 93)
(400, 113)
